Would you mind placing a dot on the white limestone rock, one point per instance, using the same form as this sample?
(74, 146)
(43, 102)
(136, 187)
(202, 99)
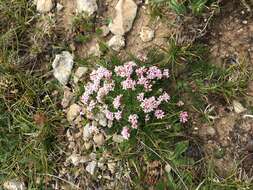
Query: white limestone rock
(80, 72)
(88, 6)
(99, 139)
(126, 11)
(14, 185)
(117, 42)
(73, 112)
(147, 34)
(62, 65)
(44, 6)
(91, 167)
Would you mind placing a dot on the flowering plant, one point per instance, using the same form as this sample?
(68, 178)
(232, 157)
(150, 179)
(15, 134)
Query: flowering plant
(127, 97)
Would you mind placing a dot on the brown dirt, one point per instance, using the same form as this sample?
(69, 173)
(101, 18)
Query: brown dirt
(228, 140)
(231, 37)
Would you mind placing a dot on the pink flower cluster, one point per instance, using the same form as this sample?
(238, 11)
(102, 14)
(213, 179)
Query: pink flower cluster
(183, 117)
(126, 70)
(133, 119)
(117, 101)
(131, 77)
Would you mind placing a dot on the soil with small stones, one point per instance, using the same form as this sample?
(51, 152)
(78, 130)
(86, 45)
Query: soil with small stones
(228, 139)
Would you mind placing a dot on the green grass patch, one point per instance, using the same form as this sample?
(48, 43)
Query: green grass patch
(183, 7)
(29, 123)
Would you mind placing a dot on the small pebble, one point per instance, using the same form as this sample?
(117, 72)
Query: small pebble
(245, 22)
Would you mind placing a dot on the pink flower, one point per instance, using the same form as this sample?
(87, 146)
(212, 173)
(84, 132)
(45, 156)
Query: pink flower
(141, 71)
(109, 115)
(116, 101)
(125, 133)
(183, 117)
(85, 98)
(133, 119)
(154, 72)
(164, 97)
(140, 97)
(128, 84)
(126, 70)
(91, 87)
(118, 115)
(91, 105)
(166, 73)
(159, 114)
(142, 57)
(103, 91)
(100, 73)
(149, 104)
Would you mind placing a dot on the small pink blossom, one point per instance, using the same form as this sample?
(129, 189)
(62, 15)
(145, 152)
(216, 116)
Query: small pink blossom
(183, 117)
(103, 91)
(85, 98)
(141, 71)
(109, 115)
(133, 119)
(91, 87)
(91, 105)
(93, 129)
(166, 73)
(140, 97)
(117, 101)
(100, 73)
(126, 70)
(164, 97)
(128, 84)
(149, 104)
(159, 114)
(154, 72)
(118, 115)
(142, 56)
(125, 132)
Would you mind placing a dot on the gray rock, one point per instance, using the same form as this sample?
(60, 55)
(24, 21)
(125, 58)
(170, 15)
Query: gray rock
(14, 185)
(91, 167)
(59, 7)
(87, 145)
(238, 107)
(73, 112)
(111, 167)
(62, 65)
(125, 14)
(147, 34)
(44, 6)
(116, 42)
(88, 6)
(101, 119)
(80, 72)
(95, 50)
(67, 97)
(87, 134)
(77, 159)
(99, 139)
